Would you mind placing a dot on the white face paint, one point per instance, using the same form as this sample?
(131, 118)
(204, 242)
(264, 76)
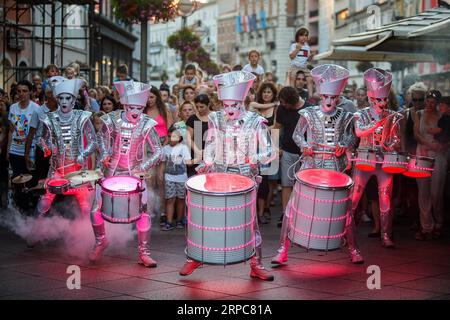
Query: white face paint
(378, 104)
(133, 113)
(66, 102)
(328, 102)
(233, 109)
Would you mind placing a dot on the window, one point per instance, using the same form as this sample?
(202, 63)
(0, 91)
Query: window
(341, 17)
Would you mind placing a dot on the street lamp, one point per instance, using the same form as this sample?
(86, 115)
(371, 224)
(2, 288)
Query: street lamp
(185, 9)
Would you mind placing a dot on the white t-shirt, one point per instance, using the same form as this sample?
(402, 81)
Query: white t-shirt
(301, 60)
(258, 70)
(21, 119)
(175, 158)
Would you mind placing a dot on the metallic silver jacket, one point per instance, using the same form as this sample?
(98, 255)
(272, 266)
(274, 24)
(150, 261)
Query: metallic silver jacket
(323, 133)
(67, 138)
(132, 147)
(238, 146)
(382, 139)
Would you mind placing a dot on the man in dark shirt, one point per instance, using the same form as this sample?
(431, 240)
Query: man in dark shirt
(287, 118)
(300, 82)
(443, 132)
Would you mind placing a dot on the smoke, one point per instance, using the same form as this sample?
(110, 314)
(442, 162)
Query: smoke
(76, 235)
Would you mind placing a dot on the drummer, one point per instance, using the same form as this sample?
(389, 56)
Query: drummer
(329, 136)
(238, 141)
(69, 137)
(128, 145)
(379, 132)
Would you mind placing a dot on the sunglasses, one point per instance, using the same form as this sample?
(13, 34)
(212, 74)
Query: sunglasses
(419, 100)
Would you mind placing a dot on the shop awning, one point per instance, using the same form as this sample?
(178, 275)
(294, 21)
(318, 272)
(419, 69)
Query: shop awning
(421, 38)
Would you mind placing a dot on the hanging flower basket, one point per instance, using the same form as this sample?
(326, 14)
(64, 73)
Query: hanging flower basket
(183, 41)
(135, 11)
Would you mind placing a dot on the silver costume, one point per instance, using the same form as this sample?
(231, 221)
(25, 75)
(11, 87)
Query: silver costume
(70, 136)
(128, 144)
(378, 130)
(323, 133)
(238, 141)
(326, 127)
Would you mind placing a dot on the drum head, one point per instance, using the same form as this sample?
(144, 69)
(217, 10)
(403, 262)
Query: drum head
(417, 174)
(220, 183)
(364, 167)
(324, 179)
(121, 183)
(57, 182)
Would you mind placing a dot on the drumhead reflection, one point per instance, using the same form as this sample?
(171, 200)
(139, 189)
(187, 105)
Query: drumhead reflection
(220, 183)
(121, 183)
(324, 178)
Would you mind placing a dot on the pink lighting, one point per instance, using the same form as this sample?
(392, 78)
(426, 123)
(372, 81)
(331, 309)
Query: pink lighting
(121, 184)
(239, 207)
(324, 178)
(305, 196)
(242, 226)
(318, 218)
(310, 235)
(220, 182)
(222, 249)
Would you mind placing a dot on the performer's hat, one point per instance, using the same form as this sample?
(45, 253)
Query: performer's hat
(70, 86)
(54, 81)
(234, 85)
(378, 82)
(330, 79)
(132, 92)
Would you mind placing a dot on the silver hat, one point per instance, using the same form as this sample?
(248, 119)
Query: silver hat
(233, 86)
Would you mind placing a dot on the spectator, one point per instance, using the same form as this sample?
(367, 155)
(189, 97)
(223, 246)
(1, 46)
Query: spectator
(176, 90)
(361, 98)
(237, 67)
(251, 96)
(186, 111)
(19, 116)
(36, 80)
(195, 123)
(156, 109)
(409, 145)
(42, 163)
(51, 70)
(300, 54)
(266, 105)
(176, 157)
(108, 104)
(300, 83)
(431, 190)
(189, 94)
(4, 127)
(256, 83)
(442, 133)
(122, 73)
(226, 68)
(69, 73)
(189, 79)
(270, 77)
(253, 66)
(287, 117)
(102, 92)
(216, 104)
(93, 94)
(346, 104)
(165, 97)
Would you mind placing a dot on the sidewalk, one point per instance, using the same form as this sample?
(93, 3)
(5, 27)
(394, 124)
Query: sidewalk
(413, 270)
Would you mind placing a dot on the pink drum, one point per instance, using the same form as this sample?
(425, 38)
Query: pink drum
(58, 185)
(365, 160)
(121, 199)
(221, 213)
(394, 162)
(319, 208)
(419, 167)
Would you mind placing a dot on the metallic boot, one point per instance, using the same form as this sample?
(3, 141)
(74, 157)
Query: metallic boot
(355, 254)
(101, 243)
(144, 249)
(189, 267)
(285, 243)
(257, 268)
(386, 229)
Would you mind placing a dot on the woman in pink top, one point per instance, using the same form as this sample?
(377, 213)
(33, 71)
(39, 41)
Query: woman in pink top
(156, 109)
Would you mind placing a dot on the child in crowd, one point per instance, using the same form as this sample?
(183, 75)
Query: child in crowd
(442, 132)
(187, 109)
(176, 157)
(69, 73)
(189, 79)
(300, 54)
(253, 66)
